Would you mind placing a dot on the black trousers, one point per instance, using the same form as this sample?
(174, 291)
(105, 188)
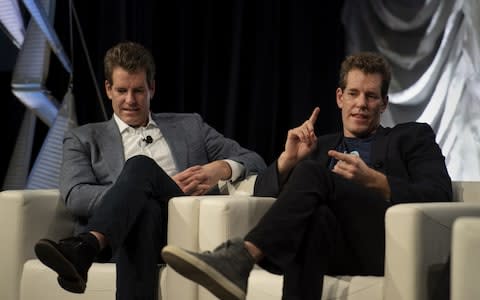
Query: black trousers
(321, 224)
(133, 218)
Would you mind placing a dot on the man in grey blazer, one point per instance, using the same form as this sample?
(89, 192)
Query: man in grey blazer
(332, 194)
(117, 177)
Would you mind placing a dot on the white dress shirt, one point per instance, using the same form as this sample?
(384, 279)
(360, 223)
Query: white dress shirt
(135, 143)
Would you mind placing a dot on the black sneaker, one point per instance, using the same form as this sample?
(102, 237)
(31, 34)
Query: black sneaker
(70, 258)
(224, 272)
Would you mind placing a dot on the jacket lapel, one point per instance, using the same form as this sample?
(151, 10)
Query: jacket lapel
(379, 149)
(325, 143)
(110, 144)
(174, 138)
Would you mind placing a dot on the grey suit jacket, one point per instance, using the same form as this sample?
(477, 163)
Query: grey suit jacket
(93, 156)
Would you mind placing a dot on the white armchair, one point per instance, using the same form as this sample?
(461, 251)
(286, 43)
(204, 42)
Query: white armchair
(28, 215)
(418, 239)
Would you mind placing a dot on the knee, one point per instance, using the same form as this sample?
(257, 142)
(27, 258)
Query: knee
(140, 162)
(139, 168)
(310, 172)
(309, 168)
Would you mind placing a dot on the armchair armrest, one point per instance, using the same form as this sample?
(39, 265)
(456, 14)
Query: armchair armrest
(224, 218)
(465, 263)
(243, 187)
(27, 215)
(202, 223)
(418, 238)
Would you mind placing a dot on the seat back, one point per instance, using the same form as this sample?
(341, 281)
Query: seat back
(466, 191)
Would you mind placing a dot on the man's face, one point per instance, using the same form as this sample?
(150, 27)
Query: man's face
(361, 103)
(130, 94)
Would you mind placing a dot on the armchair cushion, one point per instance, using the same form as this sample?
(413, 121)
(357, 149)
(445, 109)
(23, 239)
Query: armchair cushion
(39, 282)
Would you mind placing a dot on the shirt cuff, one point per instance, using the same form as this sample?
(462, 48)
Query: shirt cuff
(237, 169)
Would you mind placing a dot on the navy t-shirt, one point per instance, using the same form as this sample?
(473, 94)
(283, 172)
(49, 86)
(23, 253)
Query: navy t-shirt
(360, 146)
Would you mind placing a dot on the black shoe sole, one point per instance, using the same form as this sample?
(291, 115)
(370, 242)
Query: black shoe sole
(68, 276)
(198, 271)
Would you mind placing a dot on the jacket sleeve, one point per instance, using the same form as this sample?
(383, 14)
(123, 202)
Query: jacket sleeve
(267, 183)
(427, 179)
(79, 187)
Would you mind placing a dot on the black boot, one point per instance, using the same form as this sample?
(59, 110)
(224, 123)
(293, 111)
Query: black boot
(70, 258)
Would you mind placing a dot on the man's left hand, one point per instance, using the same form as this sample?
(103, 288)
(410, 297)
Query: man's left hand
(352, 167)
(197, 180)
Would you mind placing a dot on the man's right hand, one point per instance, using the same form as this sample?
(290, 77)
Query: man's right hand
(301, 141)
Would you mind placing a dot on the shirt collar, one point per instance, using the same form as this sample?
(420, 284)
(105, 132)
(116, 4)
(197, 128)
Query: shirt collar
(122, 126)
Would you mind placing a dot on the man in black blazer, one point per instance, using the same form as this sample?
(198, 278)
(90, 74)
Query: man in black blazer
(332, 194)
(117, 177)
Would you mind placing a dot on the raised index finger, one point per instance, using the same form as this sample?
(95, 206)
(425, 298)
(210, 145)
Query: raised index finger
(314, 116)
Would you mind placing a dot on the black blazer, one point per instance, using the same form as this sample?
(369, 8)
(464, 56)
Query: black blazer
(407, 154)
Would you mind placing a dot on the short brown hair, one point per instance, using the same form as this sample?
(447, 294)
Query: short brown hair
(130, 56)
(369, 63)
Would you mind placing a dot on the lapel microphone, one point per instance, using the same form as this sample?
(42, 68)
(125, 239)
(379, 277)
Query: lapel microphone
(148, 139)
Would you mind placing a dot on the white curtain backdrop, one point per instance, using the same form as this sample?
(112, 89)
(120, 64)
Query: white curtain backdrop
(434, 49)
